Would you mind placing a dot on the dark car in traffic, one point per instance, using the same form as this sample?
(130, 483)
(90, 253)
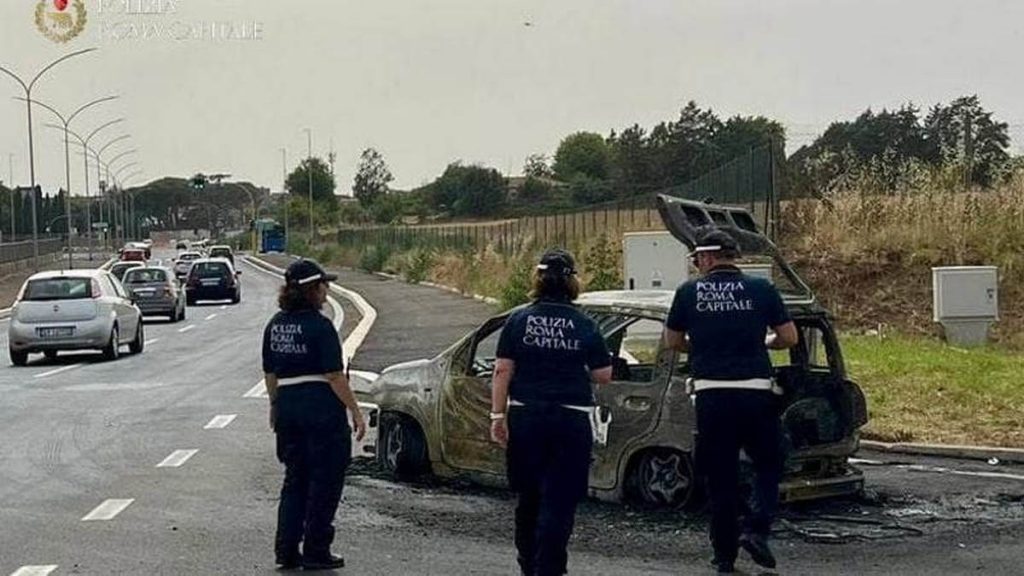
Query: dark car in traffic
(213, 279)
(156, 292)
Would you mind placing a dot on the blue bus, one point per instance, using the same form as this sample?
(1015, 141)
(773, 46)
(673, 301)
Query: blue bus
(271, 236)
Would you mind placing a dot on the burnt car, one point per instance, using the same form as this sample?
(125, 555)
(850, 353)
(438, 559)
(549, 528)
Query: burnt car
(434, 413)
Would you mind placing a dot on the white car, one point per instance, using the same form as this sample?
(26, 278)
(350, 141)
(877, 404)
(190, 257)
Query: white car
(184, 263)
(73, 310)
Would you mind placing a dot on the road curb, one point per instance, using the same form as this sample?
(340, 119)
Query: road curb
(986, 453)
(369, 314)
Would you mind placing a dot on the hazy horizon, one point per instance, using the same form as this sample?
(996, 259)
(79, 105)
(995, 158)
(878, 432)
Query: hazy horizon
(431, 83)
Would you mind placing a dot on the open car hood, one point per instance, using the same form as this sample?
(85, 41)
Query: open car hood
(686, 219)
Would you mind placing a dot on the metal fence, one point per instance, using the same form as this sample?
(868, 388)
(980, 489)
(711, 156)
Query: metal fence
(16, 251)
(748, 181)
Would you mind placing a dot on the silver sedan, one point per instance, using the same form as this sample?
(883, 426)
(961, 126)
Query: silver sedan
(74, 310)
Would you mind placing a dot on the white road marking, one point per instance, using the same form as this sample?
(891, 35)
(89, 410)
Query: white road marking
(211, 317)
(108, 510)
(152, 341)
(187, 328)
(938, 469)
(220, 421)
(177, 458)
(338, 313)
(58, 371)
(224, 307)
(35, 570)
(257, 391)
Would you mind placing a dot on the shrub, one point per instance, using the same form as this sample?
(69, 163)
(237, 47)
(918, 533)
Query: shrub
(601, 264)
(516, 289)
(374, 258)
(419, 264)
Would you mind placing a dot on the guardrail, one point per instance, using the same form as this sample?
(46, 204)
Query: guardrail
(16, 251)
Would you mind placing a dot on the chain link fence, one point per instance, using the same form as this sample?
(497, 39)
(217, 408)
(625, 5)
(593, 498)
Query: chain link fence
(748, 181)
(15, 251)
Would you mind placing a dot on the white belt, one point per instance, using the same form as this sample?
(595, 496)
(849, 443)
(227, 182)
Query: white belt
(700, 385)
(587, 409)
(302, 380)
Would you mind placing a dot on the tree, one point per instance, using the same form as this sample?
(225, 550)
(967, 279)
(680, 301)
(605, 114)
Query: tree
(583, 153)
(372, 178)
(467, 191)
(536, 166)
(965, 133)
(324, 185)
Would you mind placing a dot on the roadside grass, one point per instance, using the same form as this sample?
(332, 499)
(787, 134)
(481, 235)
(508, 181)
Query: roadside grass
(921, 390)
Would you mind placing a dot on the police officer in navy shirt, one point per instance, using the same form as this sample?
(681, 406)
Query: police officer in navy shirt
(309, 395)
(722, 320)
(541, 403)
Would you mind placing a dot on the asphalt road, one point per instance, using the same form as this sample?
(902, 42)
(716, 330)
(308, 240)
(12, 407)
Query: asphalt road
(95, 433)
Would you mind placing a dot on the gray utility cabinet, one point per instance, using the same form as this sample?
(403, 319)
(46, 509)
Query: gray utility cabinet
(965, 301)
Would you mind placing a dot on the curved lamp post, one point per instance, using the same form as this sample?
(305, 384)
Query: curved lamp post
(27, 87)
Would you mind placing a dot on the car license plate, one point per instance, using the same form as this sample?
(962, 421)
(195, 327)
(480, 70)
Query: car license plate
(145, 293)
(64, 332)
(210, 282)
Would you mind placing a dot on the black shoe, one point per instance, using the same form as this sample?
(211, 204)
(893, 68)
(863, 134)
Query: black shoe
(289, 562)
(723, 566)
(757, 546)
(327, 562)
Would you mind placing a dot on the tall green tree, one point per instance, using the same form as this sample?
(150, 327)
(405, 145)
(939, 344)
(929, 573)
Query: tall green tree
(468, 191)
(536, 166)
(966, 134)
(372, 178)
(324, 185)
(583, 153)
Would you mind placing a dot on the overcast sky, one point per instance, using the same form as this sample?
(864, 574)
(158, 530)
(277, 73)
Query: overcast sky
(428, 82)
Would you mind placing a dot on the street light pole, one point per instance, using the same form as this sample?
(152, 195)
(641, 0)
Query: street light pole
(284, 187)
(66, 122)
(309, 172)
(10, 176)
(99, 161)
(27, 87)
(88, 194)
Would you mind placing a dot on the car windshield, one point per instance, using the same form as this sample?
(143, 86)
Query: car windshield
(218, 252)
(58, 289)
(145, 276)
(210, 270)
(189, 257)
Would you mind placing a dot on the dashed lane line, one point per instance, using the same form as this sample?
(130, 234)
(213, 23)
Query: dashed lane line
(188, 328)
(220, 421)
(108, 510)
(58, 371)
(257, 391)
(224, 307)
(35, 570)
(211, 317)
(177, 458)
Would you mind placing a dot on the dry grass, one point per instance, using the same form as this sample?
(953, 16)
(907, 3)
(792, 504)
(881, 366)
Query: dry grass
(869, 256)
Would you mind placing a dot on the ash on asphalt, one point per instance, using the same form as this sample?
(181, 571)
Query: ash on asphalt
(885, 512)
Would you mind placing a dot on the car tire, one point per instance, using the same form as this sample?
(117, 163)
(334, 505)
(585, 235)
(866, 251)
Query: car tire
(190, 301)
(663, 478)
(401, 447)
(179, 315)
(112, 351)
(18, 358)
(50, 355)
(139, 343)
(237, 297)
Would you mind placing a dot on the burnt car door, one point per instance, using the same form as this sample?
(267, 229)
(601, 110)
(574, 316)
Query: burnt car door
(633, 398)
(465, 404)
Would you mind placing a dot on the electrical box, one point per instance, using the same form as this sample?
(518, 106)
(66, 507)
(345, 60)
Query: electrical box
(965, 301)
(654, 261)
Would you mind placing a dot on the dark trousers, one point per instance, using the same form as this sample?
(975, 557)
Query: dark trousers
(728, 420)
(314, 444)
(549, 452)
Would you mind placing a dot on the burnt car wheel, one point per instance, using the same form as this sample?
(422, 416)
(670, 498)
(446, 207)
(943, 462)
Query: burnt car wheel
(401, 450)
(663, 478)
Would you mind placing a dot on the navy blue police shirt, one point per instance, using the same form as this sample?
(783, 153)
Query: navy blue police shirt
(726, 314)
(554, 347)
(301, 343)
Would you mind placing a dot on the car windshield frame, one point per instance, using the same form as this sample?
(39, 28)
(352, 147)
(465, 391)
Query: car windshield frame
(139, 270)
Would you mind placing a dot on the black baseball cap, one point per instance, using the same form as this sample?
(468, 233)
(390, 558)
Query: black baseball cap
(557, 261)
(304, 271)
(715, 240)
